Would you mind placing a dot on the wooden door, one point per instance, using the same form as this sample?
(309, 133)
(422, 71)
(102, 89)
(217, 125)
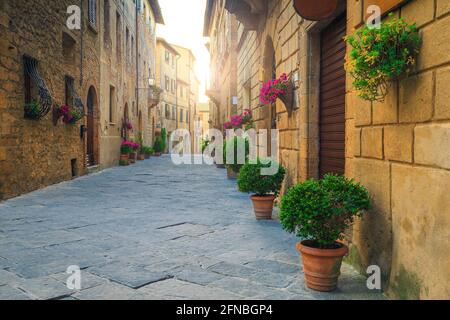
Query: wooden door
(332, 98)
(90, 159)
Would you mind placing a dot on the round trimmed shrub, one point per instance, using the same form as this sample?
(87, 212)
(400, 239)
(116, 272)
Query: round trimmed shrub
(251, 180)
(321, 210)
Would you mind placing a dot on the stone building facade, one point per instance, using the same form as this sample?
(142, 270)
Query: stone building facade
(397, 149)
(73, 66)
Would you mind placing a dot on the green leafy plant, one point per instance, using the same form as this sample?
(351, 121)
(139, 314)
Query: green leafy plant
(164, 139)
(251, 180)
(158, 146)
(32, 110)
(123, 163)
(235, 142)
(380, 55)
(321, 210)
(147, 150)
(204, 144)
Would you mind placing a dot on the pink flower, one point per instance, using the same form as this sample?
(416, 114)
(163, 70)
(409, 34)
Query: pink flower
(272, 89)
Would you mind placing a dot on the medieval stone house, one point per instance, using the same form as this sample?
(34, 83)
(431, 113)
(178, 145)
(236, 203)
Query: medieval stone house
(399, 149)
(102, 67)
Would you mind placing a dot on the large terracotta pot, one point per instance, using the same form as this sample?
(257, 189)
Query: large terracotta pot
(124, 157)
(140, 157)
(231, 174)
(132, 157)
(263, 206)
(321, 266)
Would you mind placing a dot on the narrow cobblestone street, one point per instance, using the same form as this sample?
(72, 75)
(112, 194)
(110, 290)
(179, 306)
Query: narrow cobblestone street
(151, 231)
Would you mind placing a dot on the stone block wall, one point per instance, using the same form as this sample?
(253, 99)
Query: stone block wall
(400, 150)
(277, 36)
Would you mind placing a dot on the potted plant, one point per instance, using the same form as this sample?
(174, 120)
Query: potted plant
(281, 88)
(32, 110)
(265, 188)
(133, 154)
(234, 165)
(148, 151)
(380, 55)
(123, 163)
(125, 150)
(319, 211)
(70, 115)
(158, 146)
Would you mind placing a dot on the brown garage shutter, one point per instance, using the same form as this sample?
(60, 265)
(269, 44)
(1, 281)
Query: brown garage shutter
(332, 98)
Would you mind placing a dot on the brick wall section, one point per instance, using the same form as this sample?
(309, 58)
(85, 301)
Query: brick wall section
(34, 154)
(400, 152)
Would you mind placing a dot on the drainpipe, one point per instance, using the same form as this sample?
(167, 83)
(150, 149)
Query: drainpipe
(81, 42)
(137, 60)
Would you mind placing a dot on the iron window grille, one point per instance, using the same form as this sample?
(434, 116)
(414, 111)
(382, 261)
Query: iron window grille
(72, 98)
(45, 98)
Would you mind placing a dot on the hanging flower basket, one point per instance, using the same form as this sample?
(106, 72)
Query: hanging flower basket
(70, 115)
(381, 55)
(281, 88)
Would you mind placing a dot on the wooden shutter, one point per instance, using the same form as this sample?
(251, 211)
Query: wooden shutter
(332, 99)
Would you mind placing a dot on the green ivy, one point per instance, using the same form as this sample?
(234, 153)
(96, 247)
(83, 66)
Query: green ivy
(251, 180)
(380, 55)
(321, 210)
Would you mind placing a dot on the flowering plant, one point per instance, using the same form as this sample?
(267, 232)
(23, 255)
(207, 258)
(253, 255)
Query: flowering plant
(237, 121)
(70, 115)
(130, 145)
(273, 88)
(128, 125)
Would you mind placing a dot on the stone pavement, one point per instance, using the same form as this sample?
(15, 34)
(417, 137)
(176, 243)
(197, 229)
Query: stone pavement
(151, 231)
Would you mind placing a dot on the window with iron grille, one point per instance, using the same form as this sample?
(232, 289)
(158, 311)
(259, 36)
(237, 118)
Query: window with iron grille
(181, 115)
(35, 90)
(174, 113)
(93, 12)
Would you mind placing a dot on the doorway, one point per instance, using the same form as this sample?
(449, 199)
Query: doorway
(91, 126)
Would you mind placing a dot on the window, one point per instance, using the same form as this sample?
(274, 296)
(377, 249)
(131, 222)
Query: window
(69, 97)
(181, 115)
(167, 56)
(173, 61)
(68, 44)
(181, 91)
(35, 88)
(187, 117)
(127, 45)
(167, 111)
(172, 86)
(167, 83)
(118, 36)
(132, 50)
(112, 103)
(107, 31)
(31, 89)
(174, 113)
(92, 12)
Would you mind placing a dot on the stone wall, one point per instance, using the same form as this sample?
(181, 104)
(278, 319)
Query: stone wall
(400, 150)
(34, 154)
(278, 36)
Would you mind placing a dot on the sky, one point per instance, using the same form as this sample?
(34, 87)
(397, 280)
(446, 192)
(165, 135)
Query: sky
(184, 26)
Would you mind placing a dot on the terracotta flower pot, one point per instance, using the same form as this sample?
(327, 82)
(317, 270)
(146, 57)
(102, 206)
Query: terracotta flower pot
(231, 174)
(263, 206)
(321, 266)
(141, 157)
(132, 157)
(124, 157)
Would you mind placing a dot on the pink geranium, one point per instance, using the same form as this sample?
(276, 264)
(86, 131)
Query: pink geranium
(272, 89)
(227, 125)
